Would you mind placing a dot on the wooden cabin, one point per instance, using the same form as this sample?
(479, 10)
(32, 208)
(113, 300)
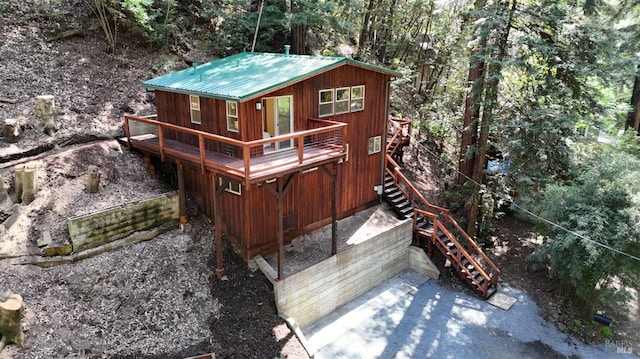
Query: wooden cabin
(271, 146)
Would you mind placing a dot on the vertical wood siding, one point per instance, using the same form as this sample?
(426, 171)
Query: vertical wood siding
(308, 200)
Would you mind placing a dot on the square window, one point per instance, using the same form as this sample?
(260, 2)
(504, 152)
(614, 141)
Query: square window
(194, 103)
(326, 103)
(357, 98)
(374, 144)
(232, 116)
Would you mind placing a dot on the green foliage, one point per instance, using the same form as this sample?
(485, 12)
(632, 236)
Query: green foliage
(606, 332)
(601, 204)
(140, 12)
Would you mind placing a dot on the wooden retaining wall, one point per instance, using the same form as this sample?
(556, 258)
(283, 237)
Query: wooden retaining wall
(102, 227)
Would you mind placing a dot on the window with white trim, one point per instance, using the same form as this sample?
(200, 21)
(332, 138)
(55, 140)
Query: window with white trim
(326, 103)
(357, 98)
(232, 116)
(374, 144)
(342, 100)
(194, 104)
(233, 187)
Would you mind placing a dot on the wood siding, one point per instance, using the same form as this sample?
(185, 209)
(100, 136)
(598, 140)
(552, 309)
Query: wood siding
(250, 219)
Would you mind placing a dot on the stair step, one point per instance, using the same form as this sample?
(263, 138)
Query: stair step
(397, 201)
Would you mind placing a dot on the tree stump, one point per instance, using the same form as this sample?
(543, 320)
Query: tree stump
(26, 182)
(11, 129)
(93, 179)
(19, 181)
(10, 313)
(45, 114)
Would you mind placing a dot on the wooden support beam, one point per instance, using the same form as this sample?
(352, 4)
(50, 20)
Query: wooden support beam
(282, 185)
(217, 190)
(333, 173)
(182, 196)
(280, 190)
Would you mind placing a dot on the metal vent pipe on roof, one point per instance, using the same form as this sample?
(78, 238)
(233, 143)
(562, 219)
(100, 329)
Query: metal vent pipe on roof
(286, 49)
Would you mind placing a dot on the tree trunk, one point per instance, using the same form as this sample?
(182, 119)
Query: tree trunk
(386, 32)
(10, 313)
(93, 179)
(633, 119)
(366, 27)
(298, 39)
(490, 100)
(45, 114)
(475, 80)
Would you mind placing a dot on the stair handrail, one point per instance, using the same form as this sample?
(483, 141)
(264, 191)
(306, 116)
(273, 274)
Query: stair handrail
(445, 214)
(439, 225)
(391, 141)
(494, 269)
(397, 173)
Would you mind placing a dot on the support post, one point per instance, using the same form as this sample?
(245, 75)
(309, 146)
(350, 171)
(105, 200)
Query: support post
(334, 211)
(182, 197)
(333, 173)
(218, 226)
(280, 194)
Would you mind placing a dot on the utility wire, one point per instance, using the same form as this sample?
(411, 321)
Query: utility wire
(556, 225)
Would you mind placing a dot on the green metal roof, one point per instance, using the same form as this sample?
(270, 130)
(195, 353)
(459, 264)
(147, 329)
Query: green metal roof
(248, 75)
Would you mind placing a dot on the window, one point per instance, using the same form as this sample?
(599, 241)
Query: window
(342, 100)
(326, 103)
(374, 144)
(233, 187)
(232, 116)
(357, 98)
(194, 102)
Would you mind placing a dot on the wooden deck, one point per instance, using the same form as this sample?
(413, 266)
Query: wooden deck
(310, 149)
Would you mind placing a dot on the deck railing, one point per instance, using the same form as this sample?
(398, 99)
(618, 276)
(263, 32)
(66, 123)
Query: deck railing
(238, 158)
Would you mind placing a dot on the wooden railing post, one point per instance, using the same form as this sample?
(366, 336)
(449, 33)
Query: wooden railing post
(246, 156)
(161, 142)
(202, 151)
(300, 140)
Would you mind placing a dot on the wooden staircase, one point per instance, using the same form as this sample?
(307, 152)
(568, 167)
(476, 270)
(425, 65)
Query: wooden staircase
(433, 226)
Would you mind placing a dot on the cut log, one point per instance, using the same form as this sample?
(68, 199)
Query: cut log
(8, 100)
(45, 114)
(11, 129)
(93, 179)
(65, 34)
(10, 313)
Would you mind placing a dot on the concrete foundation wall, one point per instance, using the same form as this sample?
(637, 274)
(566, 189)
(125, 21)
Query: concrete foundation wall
(317, 291)
(105, 226)
(421, 263)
